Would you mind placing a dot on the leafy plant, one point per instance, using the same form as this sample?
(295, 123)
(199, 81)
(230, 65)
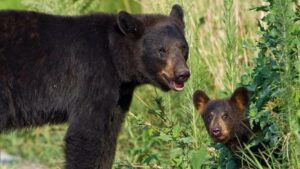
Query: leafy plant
(274, 83)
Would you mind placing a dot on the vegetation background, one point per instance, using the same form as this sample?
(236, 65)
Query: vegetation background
(232, 43)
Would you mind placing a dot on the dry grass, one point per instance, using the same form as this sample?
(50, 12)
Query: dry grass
(206, 34)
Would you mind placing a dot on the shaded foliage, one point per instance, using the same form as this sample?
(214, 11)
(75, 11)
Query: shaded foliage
(274, 83)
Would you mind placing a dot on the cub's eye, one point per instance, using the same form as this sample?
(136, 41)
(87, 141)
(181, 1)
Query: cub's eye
(209, 117)
(225, 116)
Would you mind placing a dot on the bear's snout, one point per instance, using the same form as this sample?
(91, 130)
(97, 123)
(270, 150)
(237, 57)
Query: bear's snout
(216, 132)
(182, 76)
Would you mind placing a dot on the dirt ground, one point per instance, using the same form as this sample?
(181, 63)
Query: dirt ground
(12, 162)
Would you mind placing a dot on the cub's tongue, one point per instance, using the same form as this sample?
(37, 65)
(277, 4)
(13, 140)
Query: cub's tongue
(178, 86)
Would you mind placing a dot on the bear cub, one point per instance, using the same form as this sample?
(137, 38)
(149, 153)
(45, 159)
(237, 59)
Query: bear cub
(225, 119)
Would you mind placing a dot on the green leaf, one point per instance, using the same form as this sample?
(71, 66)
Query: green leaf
(231, 164)
(176, 130)
(261, 8)
(150, 158)
(186, 140)
(165, 137)
(198, 158)
(298, 113)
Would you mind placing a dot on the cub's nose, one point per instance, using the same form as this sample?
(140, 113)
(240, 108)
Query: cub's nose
(182, 75)
(216, 132)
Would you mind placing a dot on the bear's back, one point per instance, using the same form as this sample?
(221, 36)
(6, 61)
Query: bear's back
(46, 61)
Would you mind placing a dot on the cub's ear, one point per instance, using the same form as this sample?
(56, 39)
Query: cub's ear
(240, 98)
(177, 12)
(129, 25)
(200, 99)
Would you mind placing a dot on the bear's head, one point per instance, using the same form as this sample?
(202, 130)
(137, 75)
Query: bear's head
(160, 49)
(224, 118)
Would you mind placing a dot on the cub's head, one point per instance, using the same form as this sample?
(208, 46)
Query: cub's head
(222, 118)
(161, 50)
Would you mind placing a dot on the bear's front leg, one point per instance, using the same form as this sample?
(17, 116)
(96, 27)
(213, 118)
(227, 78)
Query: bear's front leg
(91, 140)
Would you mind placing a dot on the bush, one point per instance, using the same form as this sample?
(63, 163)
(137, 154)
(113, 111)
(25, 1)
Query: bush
(275, 85)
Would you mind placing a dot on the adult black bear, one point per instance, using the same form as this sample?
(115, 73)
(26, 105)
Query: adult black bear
(84, 70)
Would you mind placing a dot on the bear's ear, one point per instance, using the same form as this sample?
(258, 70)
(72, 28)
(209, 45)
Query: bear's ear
(200, 99)
(129, 25)
(177, 12)
(240, 98)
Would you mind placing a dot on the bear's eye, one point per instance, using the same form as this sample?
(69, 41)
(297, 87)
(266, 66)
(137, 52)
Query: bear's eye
(183, 48)
(209, 117)
(225, 116)
(162, 51)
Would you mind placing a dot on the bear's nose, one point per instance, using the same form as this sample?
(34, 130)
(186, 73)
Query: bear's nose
(216, 132)
(183, 75)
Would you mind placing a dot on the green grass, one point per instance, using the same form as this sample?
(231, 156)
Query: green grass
(44, 145)
(162, 130)
(75, 7)
(11, 4)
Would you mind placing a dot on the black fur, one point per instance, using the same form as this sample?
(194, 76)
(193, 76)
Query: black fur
(83, 70)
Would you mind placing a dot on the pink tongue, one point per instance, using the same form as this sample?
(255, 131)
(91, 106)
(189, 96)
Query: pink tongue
(179, 85)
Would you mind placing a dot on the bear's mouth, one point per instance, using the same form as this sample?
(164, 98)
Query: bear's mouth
(221, 138)
(172, 84)
(177, 86)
